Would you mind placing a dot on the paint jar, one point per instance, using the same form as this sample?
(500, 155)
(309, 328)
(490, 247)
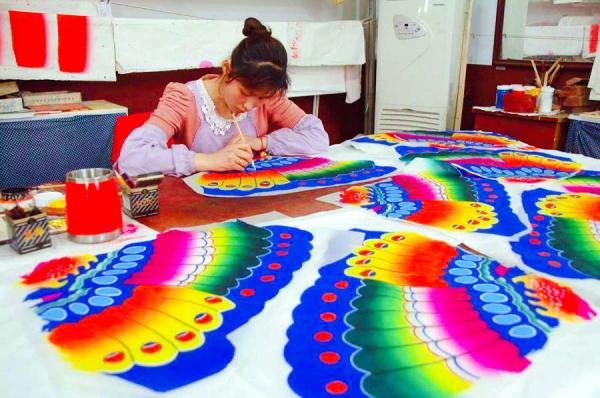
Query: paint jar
(501, 90)
(519, 102)
(546, 97)
(93, 208)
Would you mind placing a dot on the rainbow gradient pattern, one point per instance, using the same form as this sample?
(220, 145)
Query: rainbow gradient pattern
(276, 175)
(440, 196)
(455, 139)
(585, 181)
(565, 234)
(157, 313)
(516, 166)
(421, 318)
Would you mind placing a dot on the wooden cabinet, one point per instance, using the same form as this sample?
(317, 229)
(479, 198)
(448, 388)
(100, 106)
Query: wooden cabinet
(548, 131)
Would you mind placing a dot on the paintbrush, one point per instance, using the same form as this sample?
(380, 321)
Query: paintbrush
(237, 126)
(538, 81)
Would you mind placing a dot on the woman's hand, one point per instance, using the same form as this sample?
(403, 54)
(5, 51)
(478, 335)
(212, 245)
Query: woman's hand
(255, 143)
(234, 156)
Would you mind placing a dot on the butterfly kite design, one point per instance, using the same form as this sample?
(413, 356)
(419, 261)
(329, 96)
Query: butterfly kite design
(440, 196)
(565, 234)
(454, 139)
(276, 175)
(407, 315)
(157, 313)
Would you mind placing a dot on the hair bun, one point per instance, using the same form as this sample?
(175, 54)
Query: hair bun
(254, 28)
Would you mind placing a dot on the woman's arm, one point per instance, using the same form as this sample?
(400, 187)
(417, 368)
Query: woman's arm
(306, 138)
(145, 150)
(299, 133)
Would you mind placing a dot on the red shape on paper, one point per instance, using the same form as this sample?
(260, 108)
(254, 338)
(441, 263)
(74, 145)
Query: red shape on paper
(593, 44)
(28, 31)
(72, 43)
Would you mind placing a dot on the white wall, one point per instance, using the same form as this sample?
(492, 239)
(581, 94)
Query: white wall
(483, 22)
(267, 10)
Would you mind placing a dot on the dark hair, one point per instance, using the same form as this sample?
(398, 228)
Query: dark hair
(259, 61)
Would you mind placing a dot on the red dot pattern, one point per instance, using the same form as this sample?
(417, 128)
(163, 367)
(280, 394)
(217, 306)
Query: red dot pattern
(329, 297)
(328, 316)
(323, 337)
(341, 284)
(336, 387)
(329, 357)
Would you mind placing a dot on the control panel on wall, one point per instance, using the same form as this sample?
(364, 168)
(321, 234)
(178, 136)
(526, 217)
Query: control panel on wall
(407, 28)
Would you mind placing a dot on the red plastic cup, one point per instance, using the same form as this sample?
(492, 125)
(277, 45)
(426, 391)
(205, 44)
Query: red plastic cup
(93, 208)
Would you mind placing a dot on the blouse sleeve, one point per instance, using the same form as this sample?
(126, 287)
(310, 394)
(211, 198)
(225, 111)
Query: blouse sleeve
(145, 149)
(307, 138)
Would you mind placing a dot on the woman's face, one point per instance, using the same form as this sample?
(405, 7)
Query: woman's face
(239, 99)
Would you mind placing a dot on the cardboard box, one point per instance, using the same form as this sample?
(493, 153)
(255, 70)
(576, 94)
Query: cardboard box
(8, 88)
(11, 104)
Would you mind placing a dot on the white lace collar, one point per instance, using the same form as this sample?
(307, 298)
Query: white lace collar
(218, 124)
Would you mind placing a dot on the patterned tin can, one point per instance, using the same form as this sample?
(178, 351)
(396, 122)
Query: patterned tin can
(140, 202)
(28, 233)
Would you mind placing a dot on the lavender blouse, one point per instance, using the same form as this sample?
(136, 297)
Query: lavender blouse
(145, 150)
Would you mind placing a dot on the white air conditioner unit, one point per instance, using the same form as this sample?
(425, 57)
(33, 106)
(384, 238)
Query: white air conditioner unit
(419, 46)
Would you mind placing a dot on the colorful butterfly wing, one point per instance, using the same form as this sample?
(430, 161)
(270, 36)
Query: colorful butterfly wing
(153, 311)
(280, 174)
(363, 334)
(585, 181)
(565, 238)
(508, 164)
(440, 196)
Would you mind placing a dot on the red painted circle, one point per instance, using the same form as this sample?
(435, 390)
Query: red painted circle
(336, 387)
(151, 347)
(328, 316)
(341, 284)
(285, 236)
(267, 278)
(247, 292)
(323, 337)
(329, 357)
(282, 253)
(329, 297)
(535, 241)
(283, 245)
(114, 357)
(185, 336)
(203, 318)
(213, 299)
(554, 263)
(274, 266)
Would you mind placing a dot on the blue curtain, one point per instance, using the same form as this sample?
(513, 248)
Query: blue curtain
(37, 151)
(584, 138)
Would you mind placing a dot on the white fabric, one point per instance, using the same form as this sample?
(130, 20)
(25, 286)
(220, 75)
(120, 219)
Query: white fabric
(316, 80)
(144, 45)
(553, 40)
(101, 53)
(594, 82)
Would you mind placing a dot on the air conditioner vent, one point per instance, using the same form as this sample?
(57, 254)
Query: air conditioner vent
(408, 119)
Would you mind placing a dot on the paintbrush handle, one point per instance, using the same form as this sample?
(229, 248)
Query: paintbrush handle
(237, 126)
